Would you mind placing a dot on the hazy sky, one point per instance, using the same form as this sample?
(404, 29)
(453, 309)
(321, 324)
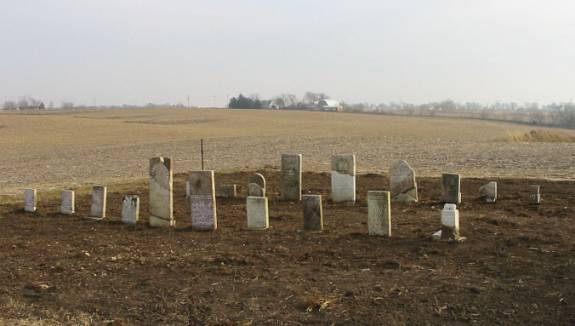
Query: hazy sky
(140, 51)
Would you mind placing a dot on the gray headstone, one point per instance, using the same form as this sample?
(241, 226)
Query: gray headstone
(343, 178)
(68, 205)
(203, 200)
(534, 194)
(290, 182)
(402, 182)
(30, 200)
(258, 215)
(161, 192)
(98, 207)
(131, 210)
(226, 191)
(257, 185)
(488, 192)
(312, 213)
(379, 213)
(450, 222)
(451, 188)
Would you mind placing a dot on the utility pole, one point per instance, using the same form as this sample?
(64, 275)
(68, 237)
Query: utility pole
(188, 101)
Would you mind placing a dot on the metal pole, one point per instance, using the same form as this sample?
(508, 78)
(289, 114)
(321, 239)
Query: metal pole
(202, 152)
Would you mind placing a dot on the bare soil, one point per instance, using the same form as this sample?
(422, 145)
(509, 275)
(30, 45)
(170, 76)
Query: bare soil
(516, 268)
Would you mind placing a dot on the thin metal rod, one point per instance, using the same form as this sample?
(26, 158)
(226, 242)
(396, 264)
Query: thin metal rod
(202, 152)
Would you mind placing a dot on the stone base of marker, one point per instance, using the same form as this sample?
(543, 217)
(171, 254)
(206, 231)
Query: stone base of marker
(157, 222)
(30, 200)
(488, 192)
(312, 213)
(68, 199)
(226, 191)
(534, 195)
(98, 207)
(379, 213)
(258, 214)
(131, 210)
(449, 225)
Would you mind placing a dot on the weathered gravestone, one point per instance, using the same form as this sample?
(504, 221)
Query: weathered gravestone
(451, 188)
(98, 207)
(131, 210)
(402, 182)
(534, 194)
(258, 215)
(488, 192)
(226, 191)
(30, 200)
(257, 185)
(379, 213)
(67, 205)
(203, 200)
(290, 179)
(161, 192)
(312, 213)
(450, 223)
(343, 178)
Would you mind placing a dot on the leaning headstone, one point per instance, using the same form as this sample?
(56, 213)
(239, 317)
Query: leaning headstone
(534, 194)
(488, 192)
(379, 213)
(257, 185)
(131, 210)
(402, 182)
(312, 213)
(30, 200)
(98, 207)
(67, 205)
(451, 188)
(290, 182)
(450, 223)
(161, 192)
(226, 191)
(258, 215)
(343, 178)
(203, 200)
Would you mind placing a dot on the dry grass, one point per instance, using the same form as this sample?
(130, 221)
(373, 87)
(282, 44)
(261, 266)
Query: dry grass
(540, 136)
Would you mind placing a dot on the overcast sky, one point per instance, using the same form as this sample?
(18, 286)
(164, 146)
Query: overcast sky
(140, 51)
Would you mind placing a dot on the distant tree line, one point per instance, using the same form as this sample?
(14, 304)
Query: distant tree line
(283, 101)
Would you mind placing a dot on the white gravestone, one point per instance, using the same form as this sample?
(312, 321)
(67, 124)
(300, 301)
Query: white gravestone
(257, 185)
(451, 188)
(290, 179)
(343, 178)
(161, 193)
(379, 213)
(312, 213)
(67, 205)
(402, 182)
(131, 210)
(30, 200)
(203, 200)
(450, 222)
(258, 214)
(488, 192)
(98, 207)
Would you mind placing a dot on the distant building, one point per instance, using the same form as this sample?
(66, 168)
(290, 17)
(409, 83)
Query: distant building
(329, 105)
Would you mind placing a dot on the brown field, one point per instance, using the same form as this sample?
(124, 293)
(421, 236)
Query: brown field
(45, 150)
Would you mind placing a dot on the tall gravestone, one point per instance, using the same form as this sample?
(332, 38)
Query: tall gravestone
(451, 188)
(30, 200)
(203, 200)
(257, 185)
(161, 192)
(312, 213)
(343, 178)
(98, 207)
(131, 210)
(258, 214)
(290, 182)
(68, 202)
(402, 182)
(379, 213)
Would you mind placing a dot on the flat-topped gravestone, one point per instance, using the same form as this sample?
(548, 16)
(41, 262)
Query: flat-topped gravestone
(67, 205)
(402, 182)
(488, 192)
(451, 188)
(30, 200)
(290, 179)
(98, 207)
(203, 200)
(343, 178)
(258, 215)
(312, 213)
(257, 185)
(226, 191)
(450, 222)
(131, 210)
(161, 192)
(379, 213)
(534, 194)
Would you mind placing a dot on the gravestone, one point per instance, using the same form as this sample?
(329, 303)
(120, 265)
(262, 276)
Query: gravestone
(203, 200)
(488, 192)
(30, 200)
(226, 191)
(451, 188)
(343, 178)
(257, 185)
(67, 205)
(450, 222)
(402, 182)
(290, 179)
(188, 189)
(534, 194)
(98, 207)
(258, 215)
(131, 210)
(312, 213)
(379, 213)
(161, 193)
